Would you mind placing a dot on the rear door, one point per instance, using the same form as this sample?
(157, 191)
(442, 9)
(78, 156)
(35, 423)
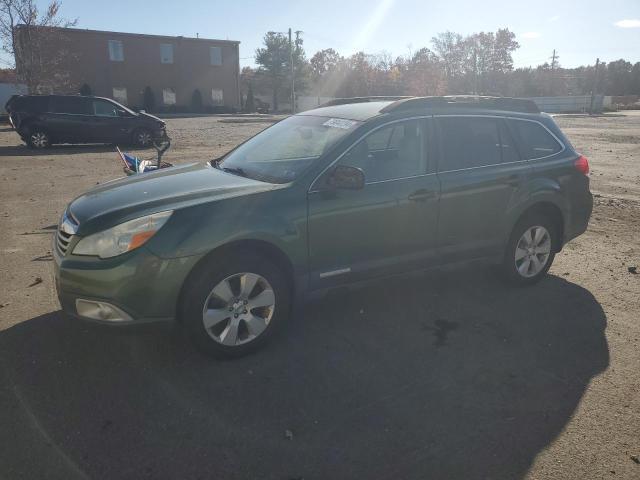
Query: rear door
(67, 120)
(480, 173)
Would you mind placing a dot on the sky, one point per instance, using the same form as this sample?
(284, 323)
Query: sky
(580, 31)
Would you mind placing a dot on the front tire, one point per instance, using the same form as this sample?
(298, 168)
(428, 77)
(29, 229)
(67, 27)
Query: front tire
(142, 138)
(530, 250)
(233, 306)
(38, 139)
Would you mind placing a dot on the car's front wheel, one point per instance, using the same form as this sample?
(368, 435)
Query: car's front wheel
(39, 139)
(142, 138)
(233, 305)
(531, 250)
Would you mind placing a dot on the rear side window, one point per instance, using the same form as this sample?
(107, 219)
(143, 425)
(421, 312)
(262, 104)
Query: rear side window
(70, 105)
(535, 140)
(469, 142)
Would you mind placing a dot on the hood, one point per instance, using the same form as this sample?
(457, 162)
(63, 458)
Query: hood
(167, 189)
(151, 117)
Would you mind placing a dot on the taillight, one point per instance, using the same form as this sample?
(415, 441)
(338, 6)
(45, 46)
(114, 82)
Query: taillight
(582, 165)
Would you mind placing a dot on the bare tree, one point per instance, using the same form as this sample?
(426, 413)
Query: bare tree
(37, 42)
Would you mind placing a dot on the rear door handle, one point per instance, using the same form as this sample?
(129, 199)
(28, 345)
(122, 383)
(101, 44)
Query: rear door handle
(422, 195)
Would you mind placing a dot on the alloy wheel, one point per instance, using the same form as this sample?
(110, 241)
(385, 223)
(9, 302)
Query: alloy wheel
(143, 138)
(238, 309)
(533, 251)
(39, 139)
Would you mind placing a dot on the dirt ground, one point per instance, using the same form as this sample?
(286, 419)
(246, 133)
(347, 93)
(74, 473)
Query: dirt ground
(446, 375)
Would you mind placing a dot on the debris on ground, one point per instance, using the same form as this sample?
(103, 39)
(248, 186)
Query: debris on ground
(288, 434)
(37, 281)
(633, 269)
(636, 458)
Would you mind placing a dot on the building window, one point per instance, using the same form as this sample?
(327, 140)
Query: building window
(166, 53)
(120, 95)
(116, 53)
(216, 96)
(169, 96)
(216, 55)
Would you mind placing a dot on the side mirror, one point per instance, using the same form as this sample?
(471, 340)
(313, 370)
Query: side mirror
(346, 177)
(123, 113)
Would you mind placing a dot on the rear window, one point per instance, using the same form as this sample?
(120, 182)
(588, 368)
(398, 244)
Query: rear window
(70, 105)
(535, 140)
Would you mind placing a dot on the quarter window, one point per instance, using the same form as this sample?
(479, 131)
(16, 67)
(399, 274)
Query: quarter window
(116, 52)
(215, 54)
(392, 152)
(166, 53)
(536, 140)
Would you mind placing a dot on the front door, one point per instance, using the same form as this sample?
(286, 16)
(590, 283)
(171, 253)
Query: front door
(390, 224)
(106, 123)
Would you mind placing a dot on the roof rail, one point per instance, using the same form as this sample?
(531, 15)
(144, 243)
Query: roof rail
(346, 101)
(468, 101)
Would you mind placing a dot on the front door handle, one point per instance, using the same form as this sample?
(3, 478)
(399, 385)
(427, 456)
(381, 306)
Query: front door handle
(422, 195)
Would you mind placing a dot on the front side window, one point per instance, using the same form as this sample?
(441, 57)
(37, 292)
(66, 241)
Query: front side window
(391, 152)
(166, 53)
(215, 54)
(469, 142)
(282, 152)
(116, 52)
(70, 105)
(536, 141)
(104, 109)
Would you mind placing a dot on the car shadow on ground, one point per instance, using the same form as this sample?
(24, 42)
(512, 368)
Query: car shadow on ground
(446, 375)
(24, 150)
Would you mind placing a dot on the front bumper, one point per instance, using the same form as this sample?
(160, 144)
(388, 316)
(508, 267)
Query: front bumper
(142, 286)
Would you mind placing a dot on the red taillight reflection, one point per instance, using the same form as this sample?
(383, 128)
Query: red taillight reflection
(582, 165)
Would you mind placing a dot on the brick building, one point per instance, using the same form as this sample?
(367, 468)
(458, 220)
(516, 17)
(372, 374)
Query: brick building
(121, 65)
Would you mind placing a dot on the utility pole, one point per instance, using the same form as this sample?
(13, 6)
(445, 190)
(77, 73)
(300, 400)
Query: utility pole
(554, 57)
(595, 85)
(293, 80)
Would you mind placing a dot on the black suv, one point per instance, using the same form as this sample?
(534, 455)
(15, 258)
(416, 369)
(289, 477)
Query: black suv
(42, 120)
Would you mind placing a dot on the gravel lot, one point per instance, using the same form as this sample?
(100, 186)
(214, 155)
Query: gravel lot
(445, 375)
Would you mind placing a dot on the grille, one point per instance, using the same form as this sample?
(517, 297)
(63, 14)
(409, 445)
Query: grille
(67, 228)
(62, 240)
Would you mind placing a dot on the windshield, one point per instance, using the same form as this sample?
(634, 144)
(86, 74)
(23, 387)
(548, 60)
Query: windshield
(282, 152)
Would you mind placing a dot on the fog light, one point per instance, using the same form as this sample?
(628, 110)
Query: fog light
(102, 311)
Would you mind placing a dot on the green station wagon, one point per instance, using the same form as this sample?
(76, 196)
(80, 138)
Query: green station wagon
(354, 190)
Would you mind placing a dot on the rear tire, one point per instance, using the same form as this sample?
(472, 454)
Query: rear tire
(38, 139)
(233, 305)
(530, 250)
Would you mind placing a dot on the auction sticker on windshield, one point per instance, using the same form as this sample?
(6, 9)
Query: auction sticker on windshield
(339, 123)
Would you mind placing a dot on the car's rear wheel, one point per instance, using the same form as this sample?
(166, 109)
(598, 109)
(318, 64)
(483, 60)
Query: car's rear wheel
(531, 250)
(39, 139)
(142, 137)
(233, 306)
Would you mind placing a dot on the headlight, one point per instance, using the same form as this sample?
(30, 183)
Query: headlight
(122, 238)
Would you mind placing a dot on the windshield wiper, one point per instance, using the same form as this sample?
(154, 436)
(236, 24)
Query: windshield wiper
(234, 170)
